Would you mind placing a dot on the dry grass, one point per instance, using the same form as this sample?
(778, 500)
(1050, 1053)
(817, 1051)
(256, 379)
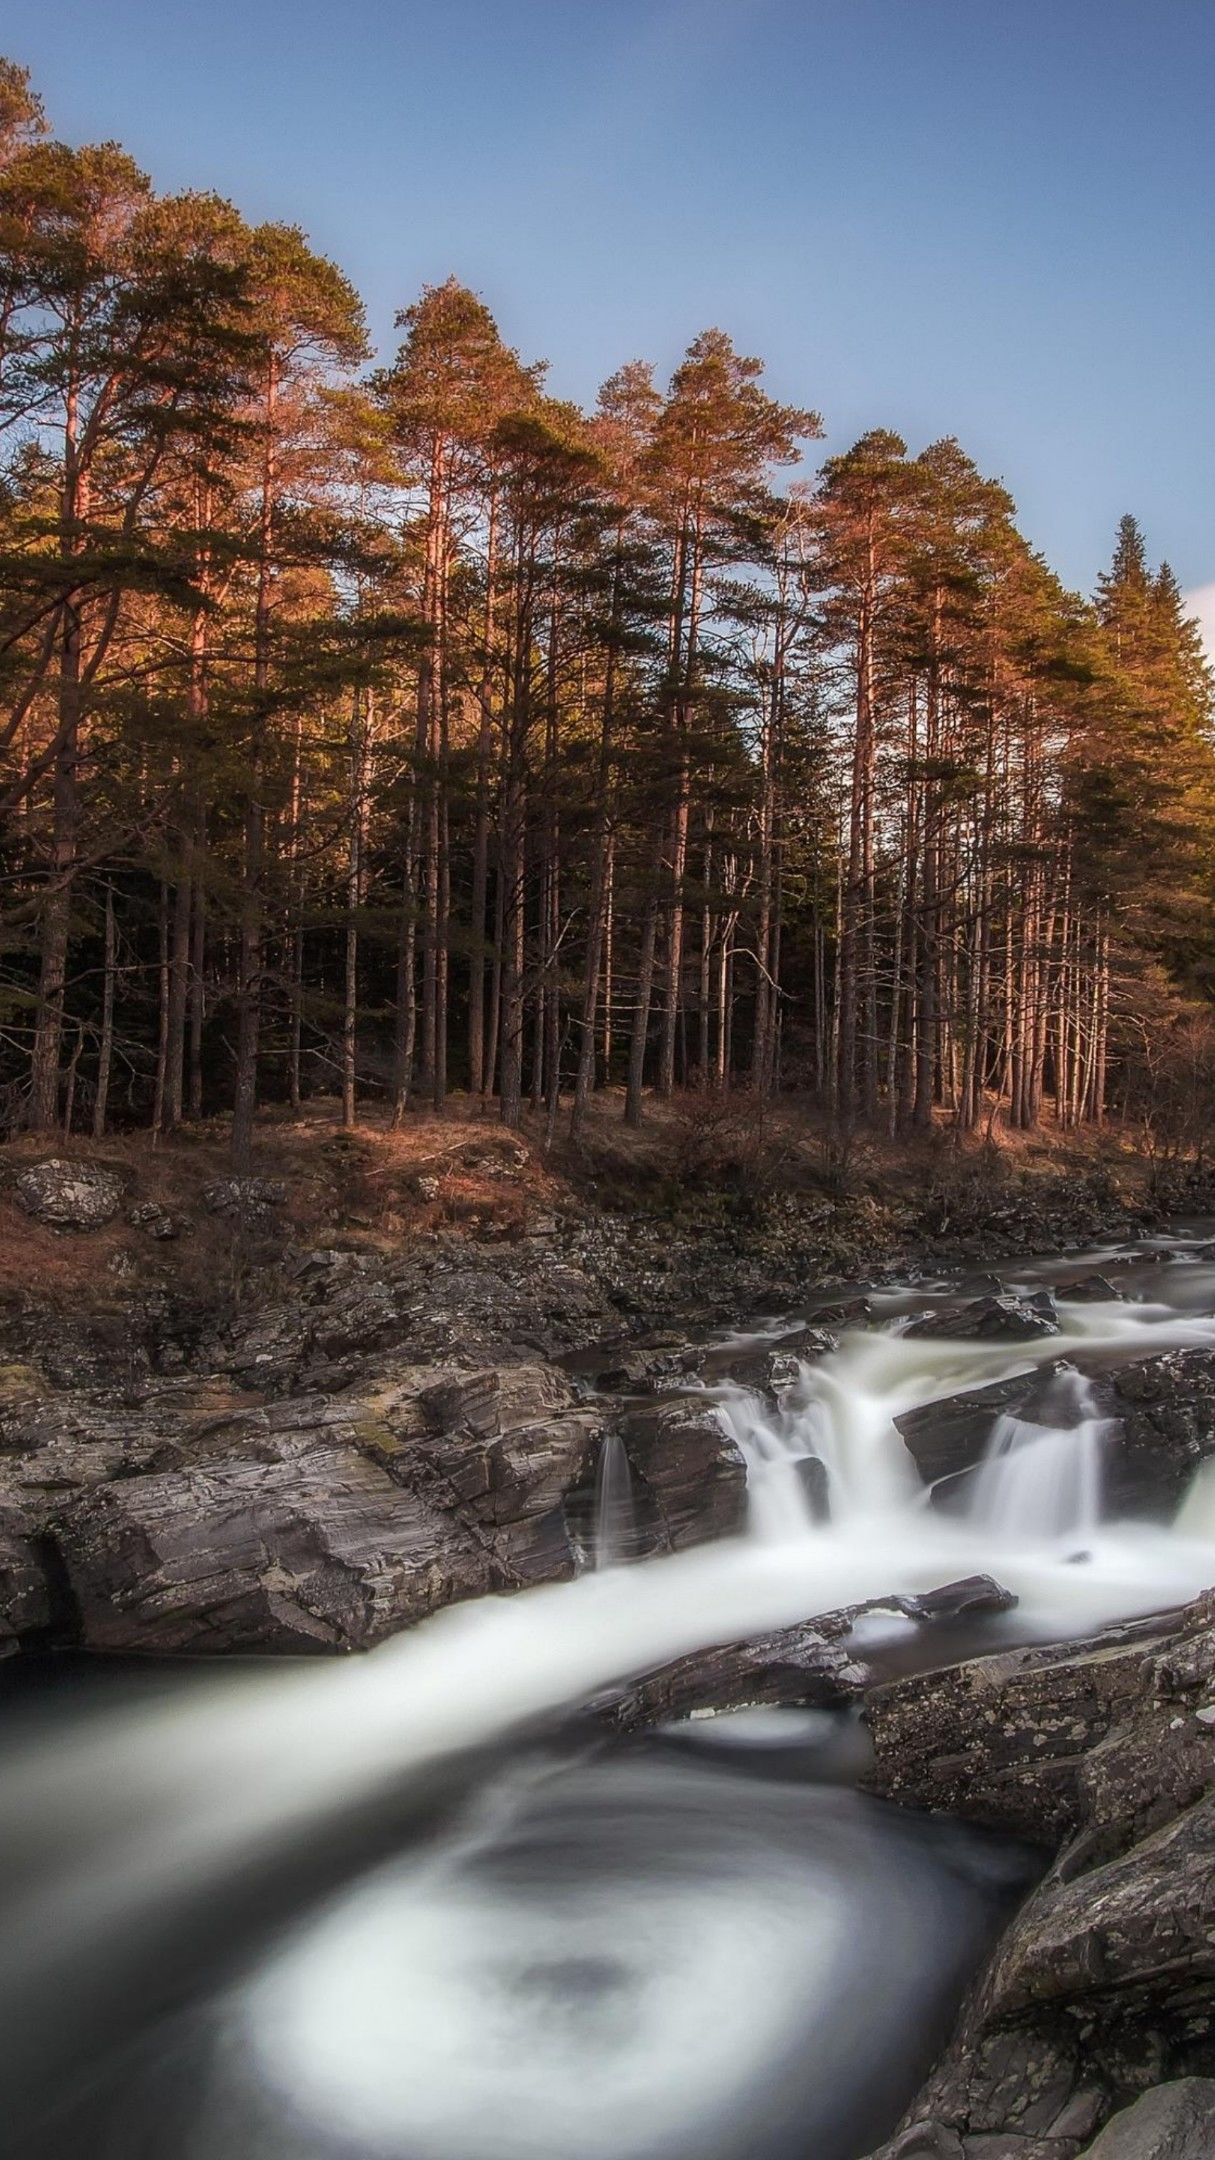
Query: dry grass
(380, 1189)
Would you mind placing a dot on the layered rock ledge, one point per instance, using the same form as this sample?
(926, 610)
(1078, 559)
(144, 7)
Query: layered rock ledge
(1104, 1985)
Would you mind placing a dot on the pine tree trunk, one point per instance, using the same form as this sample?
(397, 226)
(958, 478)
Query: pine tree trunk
(249, 989)
(105, 1048)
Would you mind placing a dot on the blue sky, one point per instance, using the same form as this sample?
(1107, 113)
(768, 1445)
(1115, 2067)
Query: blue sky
(986, 218)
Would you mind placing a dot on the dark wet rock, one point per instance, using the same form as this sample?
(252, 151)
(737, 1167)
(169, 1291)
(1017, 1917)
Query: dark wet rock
(935, 2141)
(26, 1599)
(774, 1371)
(793, 1666)
(1004, 1740)
(324, 1525)
(773, 1374)
(810, 1664)
(848, 1313)
(1088, 1290)
(1175, 2122)
(192, 1515)
(321, 1549)
(815, 1480)
(516, 1483)
(1159, 1414)
(645, 1368)
(1165, 1408)
(69, 1195)
(689, 1477)
(1105, 1982)
(991, 1319)
(950, 1437)
(973, 1594)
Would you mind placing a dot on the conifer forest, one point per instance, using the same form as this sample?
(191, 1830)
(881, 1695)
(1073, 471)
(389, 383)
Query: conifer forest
(382, 726)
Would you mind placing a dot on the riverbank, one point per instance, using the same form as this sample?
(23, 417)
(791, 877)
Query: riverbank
(709, 1213)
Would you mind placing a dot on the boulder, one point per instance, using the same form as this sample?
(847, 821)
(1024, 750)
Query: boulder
(318, 1522)
(249, 1203)
(317, 1549)
(69, 1195)
(814, 1478)
(689, 1476)
(1165, 1408)
(1088, 1290)
(151, 1217)
(972, 1594)
(950, 1437)
(773, 1372)
(1174, 2122)
(991, 1319)
(854, 1312)
(800, 1665)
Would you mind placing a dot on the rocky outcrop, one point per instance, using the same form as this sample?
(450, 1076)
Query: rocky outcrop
(250, 1202)
(812, 1664)
(1001, 1318)
(69, 1195)
(337, 1310)
(774, 1371)
(1175, 2122)
(189, 1516)
(805, 1665)
(689, 1477)
(313, 1523)
(1004, 1740)
(1104, 1985)
(27, 1604)
(1159, 1411)
(317, 1549)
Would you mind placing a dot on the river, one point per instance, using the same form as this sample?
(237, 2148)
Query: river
(402, 1908)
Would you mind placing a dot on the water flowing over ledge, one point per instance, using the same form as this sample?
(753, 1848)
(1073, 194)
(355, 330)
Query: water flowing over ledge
(123, 1831)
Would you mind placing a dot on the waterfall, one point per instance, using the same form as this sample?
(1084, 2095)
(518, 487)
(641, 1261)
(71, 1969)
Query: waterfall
(1041, 1477)
(1196, 1517)
(1040, 1481)
(778, 1448)
(614, 1526)
(130, 1835)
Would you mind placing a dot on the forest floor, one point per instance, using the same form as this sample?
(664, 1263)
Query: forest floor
(718, 1174)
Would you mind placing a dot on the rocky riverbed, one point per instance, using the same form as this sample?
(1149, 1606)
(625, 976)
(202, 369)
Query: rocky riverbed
(366, 1437)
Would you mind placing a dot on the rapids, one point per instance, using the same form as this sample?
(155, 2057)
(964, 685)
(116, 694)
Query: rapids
(371, 1911)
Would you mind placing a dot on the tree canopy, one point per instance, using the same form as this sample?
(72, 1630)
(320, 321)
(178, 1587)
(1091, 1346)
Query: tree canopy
(394, 728)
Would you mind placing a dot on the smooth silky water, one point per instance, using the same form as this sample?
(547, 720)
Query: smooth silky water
(375, 1911)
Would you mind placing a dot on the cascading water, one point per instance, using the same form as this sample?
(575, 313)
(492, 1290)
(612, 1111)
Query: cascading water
(1196, 1517)
(148, 1852)
(613, 1526)
(1042, 1480)
(1039, 1486)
